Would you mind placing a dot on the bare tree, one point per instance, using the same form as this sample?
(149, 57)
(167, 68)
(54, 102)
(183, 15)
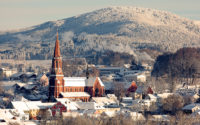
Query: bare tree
(188, 99)
(69, 69)
(93, 72)
(119, 90)
(158, 84)
(179, 67)
(173, 103)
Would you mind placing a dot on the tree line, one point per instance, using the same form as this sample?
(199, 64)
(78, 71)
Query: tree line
(183, 66)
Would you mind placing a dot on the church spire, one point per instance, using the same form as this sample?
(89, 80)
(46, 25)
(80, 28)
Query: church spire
(57, 47)
(57, 59)
(56, 82)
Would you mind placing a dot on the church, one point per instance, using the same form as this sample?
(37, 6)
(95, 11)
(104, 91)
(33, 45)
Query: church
(77, 88)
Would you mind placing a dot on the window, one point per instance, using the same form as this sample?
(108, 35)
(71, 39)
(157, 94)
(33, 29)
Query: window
(57, 64)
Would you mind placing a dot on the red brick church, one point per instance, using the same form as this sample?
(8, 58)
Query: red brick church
(71, 87)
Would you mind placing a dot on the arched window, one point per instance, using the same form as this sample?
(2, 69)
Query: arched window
(57, 63)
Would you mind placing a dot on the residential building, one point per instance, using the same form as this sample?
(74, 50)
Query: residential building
(7, 72)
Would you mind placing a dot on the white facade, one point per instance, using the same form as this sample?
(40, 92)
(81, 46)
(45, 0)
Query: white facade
(74, 94)
(135, 77)
(7, 73)
(75, 81)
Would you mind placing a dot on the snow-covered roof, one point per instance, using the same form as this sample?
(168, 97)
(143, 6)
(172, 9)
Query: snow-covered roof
(33, 104)
(191, 106)
(137, 116)
(29, 86)
(30, 122)
(133, 71)
(160, 117)
(165, 95)
(63, 100)
(103, 100)
(20, 105)
(110, 68)
(81, 81)
(41, 75)
(17, 75)
(30, 105)
(29, 74)
(85, 105)
(20, 84)
(111, 96)
(20, 97)
(75, 81)
(75, 94)
(110, 113)
(101, 83)
(6, 114)
(127, 99)
(153, 96)
(46, 105)
(68, 103)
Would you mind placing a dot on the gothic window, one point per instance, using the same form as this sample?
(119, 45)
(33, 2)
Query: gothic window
(57, 63)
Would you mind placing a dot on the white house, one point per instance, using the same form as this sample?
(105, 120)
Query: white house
(7, 72)
(137, 116)
(138, 77)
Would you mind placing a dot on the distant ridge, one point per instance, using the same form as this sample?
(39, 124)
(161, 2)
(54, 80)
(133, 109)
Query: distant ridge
(118, 28)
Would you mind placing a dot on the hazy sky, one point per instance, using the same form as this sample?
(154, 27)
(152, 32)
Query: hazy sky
(16, 14)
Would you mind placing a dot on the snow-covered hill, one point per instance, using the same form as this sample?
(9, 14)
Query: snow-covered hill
(121, 29)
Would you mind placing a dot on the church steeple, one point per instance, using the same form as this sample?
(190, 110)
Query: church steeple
(57, 59)
(56, 82)
(57, 47)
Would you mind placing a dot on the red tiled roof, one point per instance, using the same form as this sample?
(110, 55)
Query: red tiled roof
(133, 87)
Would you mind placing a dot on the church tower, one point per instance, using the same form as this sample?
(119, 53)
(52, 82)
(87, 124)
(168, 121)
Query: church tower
(56, 82)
